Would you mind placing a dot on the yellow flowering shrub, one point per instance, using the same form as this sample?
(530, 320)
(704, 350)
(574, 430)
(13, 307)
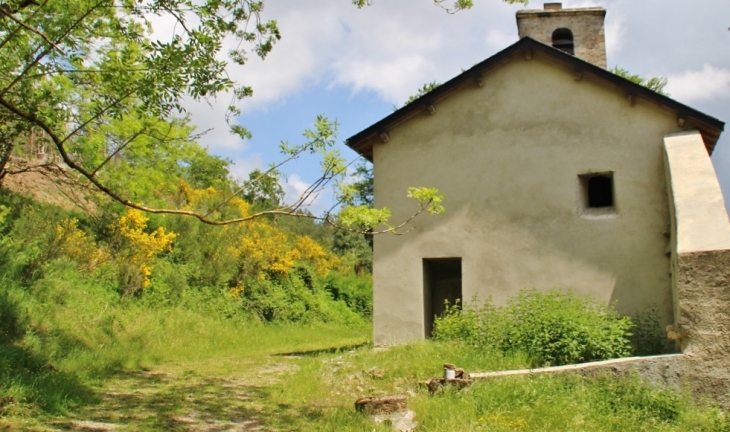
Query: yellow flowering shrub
(207, 199)
(236, 291)
(242, 206)
(141, 246)
(76, 244)
(195, 198)
(311, 251)
(264, 249)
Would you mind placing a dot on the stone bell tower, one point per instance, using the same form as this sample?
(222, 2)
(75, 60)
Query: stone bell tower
(579, 32)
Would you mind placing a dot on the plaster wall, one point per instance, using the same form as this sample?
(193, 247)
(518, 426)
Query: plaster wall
(695, 192)
(507, 157)
(587, 25)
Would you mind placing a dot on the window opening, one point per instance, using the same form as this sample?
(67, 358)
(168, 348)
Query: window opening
(597, 198)
(600, 191)
(441, 283)
(563, 40)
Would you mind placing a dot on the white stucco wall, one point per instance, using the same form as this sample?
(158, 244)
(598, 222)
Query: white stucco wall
(507, 157)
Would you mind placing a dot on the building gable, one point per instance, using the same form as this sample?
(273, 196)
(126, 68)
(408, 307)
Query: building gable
(527, 49)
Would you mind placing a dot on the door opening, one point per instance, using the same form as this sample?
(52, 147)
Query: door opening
(441, 283)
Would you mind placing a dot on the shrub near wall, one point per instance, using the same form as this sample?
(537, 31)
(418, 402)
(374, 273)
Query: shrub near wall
(553, 327)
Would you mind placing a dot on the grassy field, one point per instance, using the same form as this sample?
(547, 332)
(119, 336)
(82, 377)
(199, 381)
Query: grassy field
(308, 377)
(75, 357)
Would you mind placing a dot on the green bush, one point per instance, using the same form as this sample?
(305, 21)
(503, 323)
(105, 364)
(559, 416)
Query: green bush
(648, 335)
(299, 297)
(553, 327)
(475, 326)
(356, 291)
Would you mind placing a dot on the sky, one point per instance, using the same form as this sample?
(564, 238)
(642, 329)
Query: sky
(354, 65)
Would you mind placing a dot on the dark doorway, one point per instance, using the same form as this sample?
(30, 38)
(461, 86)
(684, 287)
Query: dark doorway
(441, 283)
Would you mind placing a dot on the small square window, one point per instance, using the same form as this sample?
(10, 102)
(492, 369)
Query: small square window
(597, 194)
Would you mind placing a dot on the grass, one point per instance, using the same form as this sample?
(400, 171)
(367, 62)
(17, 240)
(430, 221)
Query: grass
(295, 378)
(74, 358)
(326, 386)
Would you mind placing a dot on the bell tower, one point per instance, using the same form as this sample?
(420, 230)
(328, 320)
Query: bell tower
(579, 32)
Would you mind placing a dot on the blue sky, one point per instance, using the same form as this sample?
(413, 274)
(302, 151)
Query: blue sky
(355, 65)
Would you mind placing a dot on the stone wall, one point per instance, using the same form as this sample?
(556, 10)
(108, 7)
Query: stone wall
(587, 25)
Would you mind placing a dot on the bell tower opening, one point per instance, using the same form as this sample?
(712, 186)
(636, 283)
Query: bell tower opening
(563, 40)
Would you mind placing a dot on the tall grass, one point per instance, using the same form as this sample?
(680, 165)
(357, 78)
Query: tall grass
(66, 332)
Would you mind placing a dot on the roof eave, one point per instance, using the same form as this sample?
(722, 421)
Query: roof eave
(710, 127)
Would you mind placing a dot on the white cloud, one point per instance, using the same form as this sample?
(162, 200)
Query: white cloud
(708, 83)
(309, 38)
(317, 203)
(581, 4)
(241, 167)
(209, 116)
(499, 39)
(615, 34)
(389, 48)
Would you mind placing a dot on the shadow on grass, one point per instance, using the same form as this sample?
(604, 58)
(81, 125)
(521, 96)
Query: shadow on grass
(317, 352)
(27, 376)
(160, 401)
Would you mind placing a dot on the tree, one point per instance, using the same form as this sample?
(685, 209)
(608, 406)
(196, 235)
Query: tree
(655, 83)
(263, 190)
(88, 79)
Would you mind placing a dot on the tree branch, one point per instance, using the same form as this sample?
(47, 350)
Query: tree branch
(45, 52)
(119, 149)
(31, 29)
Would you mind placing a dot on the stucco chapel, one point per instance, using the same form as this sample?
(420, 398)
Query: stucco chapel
(556, 173)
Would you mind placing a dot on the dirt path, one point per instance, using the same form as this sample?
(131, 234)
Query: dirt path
(224, 395)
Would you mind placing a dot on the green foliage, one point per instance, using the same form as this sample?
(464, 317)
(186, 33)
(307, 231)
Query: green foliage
(355, 291)
(363, 217)
(303, 297)
(263, 190)
(553, 327)
(355, 249)
(477, 325)
(66, 331)
(560, 328)
(426, 88)
(427, 198)
(648, 336)
(92, 85)
(355, 246)
(364, 185)
(71, 68)
(656, 84)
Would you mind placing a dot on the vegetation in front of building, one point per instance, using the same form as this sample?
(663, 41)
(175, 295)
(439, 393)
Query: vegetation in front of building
(553, 327)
